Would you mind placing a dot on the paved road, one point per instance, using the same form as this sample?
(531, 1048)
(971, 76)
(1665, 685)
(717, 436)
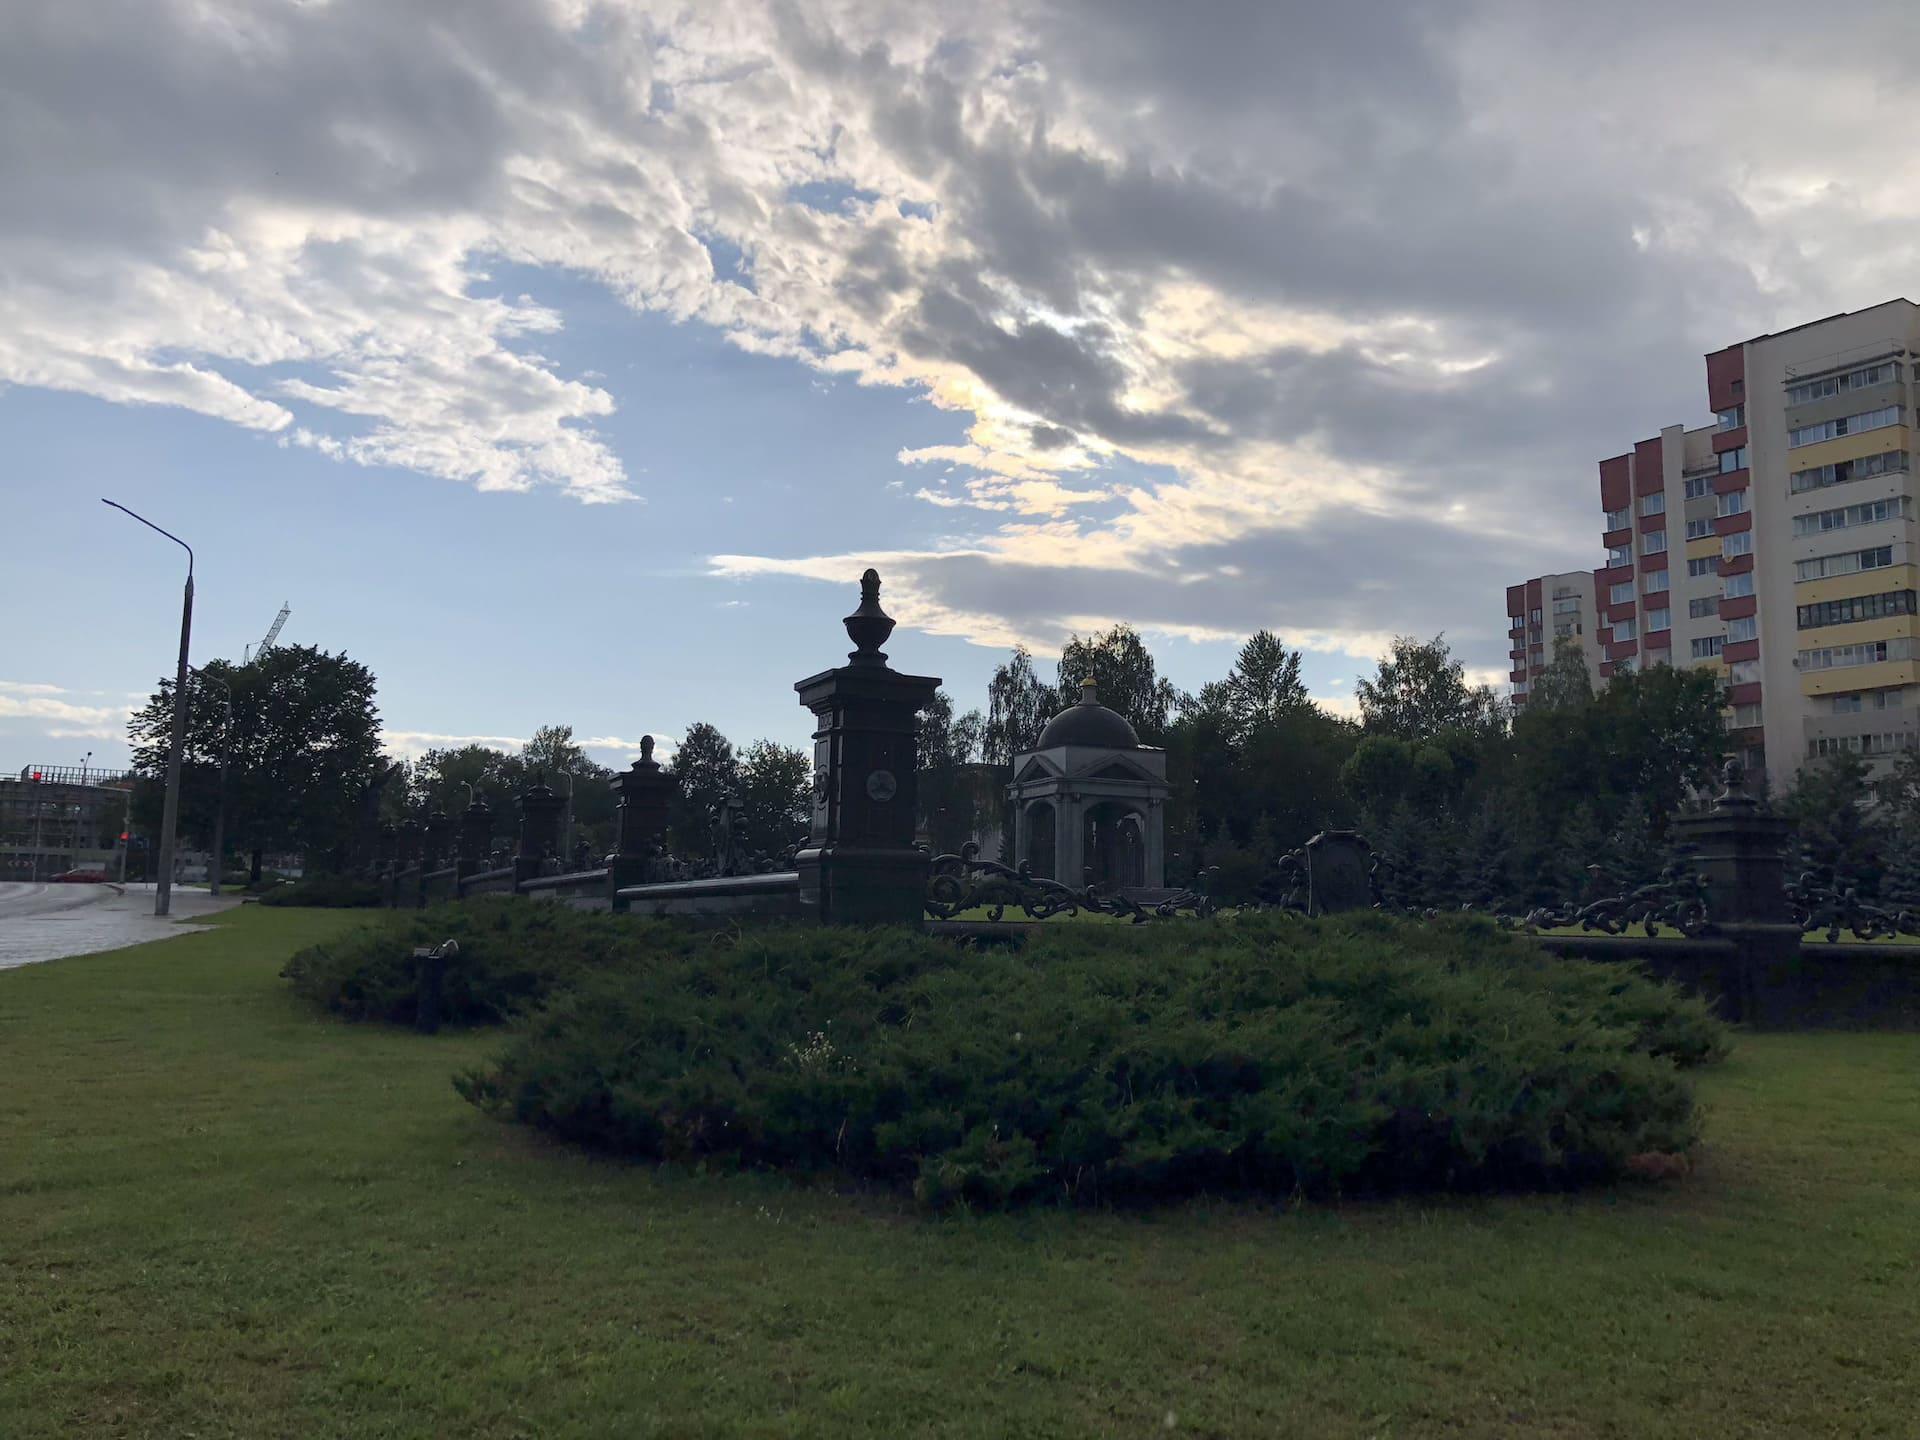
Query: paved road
(45, 922)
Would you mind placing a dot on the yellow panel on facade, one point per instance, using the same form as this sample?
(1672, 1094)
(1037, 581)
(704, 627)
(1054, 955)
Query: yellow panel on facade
(1865, 582)
(1704, 546)
(1888, 627)
(1848, 447)
(1860, 677)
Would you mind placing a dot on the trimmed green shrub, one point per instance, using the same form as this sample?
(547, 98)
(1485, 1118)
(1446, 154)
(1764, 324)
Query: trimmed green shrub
(333, 892)
(1265, 1054)
(514, 954)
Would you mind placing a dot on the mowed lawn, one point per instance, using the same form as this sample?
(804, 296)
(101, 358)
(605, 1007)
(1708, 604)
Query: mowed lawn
(221, 1215)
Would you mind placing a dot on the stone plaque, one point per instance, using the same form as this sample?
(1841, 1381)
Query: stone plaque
(1337, 866)
(882, 786)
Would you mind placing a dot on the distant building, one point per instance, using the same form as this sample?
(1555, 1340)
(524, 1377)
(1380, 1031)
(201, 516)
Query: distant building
(56, 818)
(1540, 614)
(1777, 545)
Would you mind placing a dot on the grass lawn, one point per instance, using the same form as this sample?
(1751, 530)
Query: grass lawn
(220, 1215)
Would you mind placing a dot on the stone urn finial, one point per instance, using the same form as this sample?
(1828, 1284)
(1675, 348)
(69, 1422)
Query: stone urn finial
(1733, 787)
(869, 626)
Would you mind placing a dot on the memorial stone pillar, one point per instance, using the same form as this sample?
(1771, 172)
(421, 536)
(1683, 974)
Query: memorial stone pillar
(645, 788)
(476, 837)
(540, 809)
(860, 865)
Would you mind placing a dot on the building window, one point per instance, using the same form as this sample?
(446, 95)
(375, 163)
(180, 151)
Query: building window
(1730, 419)
(1701, 565)
(1699, 609)
(1567, 606)
(1653, 504)
(1732, 460)
(1886, 742)
(1743, 672)
(1872, 512)
(1701, 528)
(1848, 704)
(1735, 586)
(1820, 477)
(1851, 562)
(1745, 715)
(1745, 628)
(1624, 665)
(1834, 429)
(1739, 543)
(1858, 607)
(1625, 629)
(1653, 542)
(1708, 645)
(1619, 555)
(1653, 582)
(1867, 652)
(1661, 619)
(1694, 486)
(1619, 519)
(1620, 594)
(1881, 374)
(1734, 502)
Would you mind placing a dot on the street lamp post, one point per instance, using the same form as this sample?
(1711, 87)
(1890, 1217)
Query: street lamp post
(220, 807)
(170, 812)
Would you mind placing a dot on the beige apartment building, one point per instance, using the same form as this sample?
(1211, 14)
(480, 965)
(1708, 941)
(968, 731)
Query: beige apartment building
(1777, 544)
(1540, 614)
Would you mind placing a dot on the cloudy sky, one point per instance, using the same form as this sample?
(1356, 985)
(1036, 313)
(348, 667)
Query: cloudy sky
(567, 361)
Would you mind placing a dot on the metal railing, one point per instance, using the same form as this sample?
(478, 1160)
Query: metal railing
(75, 775)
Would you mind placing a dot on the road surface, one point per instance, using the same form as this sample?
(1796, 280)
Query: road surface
(46, 922)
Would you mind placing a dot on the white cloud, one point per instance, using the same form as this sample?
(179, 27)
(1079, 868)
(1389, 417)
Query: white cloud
(62, 719)
(1203, 292)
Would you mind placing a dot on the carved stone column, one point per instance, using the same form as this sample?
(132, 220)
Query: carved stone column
(1739, 850)
(476, 837)
(645, 789)
(859, 865)
(540, 808)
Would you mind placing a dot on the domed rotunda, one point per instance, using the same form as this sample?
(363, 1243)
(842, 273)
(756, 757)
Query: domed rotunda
(1090, 801)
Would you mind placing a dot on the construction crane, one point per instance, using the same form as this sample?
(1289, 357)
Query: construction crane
(273, 634)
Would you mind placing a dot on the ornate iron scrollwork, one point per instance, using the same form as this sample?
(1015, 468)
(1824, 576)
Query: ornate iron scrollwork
(963, 882)
(1822, 900)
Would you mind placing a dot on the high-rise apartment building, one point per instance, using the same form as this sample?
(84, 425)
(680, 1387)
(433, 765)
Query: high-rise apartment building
(1541, 613)
(1777, 544)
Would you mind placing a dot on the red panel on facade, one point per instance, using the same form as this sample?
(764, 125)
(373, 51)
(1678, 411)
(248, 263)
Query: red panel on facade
(1729, 439)
(1647, 476)
(1741, 650)
(1605, 579)
(1653, 522)
(1748, 694)
(1618, 649)
(1731, 481)
(1616, 483)
(1661, 639)
(1739, 607)
(1516, 599)
(1733, 524)
(1726, 374)
(1616, 537)
(1738, 565)
(1615, 613)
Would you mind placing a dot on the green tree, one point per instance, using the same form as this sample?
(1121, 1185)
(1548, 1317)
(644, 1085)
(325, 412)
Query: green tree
(705, 774)
(305, 743)
(1122, 670)
(1835, 822)
(956, 802)
(1420, 690)
(776, 796)
(1019, 704)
